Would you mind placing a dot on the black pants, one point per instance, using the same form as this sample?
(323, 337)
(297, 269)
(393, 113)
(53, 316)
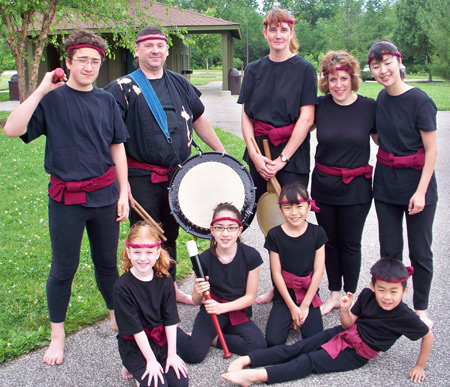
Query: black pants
(344, 227)
(240, 339)
(420, 237)
(136, 364)
(305, 357)
(154, 198)
(67, 224)
(283, 178)
(279, 322)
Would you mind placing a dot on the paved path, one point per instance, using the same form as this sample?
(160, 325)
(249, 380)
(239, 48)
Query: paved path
(91, 354)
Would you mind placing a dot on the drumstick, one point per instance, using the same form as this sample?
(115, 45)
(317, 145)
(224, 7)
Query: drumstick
(196, 265)
(58, 75)
(275, 183)
(144, 215)
(273, 180)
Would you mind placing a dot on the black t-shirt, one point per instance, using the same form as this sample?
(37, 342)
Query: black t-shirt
(343, 136)
(297, 254)
(229, 281)
(274, 92)
(139, 305)
(379, 328)
(147, 142)
(80, 127)
(399, 121)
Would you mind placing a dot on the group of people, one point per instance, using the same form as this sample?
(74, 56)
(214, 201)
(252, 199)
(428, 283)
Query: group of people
(107, 148)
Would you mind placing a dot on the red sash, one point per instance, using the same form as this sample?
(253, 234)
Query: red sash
(300, 286)
(156, 334)
(276, 136)
(416, 160)
(75, 191)
(347, 174)
(349, 338)
(159, 174)
(236, 316)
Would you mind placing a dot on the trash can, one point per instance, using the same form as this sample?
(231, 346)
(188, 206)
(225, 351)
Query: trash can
(234, 81)
(14, 88)
(187, 73)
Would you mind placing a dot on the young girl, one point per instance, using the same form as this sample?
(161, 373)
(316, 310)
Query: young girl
(297, 260)
(146, 312)
(232, 274)
(404, 183)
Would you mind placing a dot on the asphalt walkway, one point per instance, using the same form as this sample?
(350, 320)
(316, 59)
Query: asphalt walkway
(92, 359)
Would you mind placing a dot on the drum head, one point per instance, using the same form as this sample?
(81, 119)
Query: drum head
(204, 181)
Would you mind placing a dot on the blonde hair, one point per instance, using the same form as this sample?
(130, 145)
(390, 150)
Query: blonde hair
(277, 16)
(144, 230)
(333, 59)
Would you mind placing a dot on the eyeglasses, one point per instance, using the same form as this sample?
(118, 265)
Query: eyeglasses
(95, 63)
(223, 228)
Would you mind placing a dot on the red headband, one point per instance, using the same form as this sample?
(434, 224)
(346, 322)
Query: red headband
(344, 68)
(226, 218)
(313, 203)
(151, 37)
(410, 271)
(385, 53)
(102, 53)
(289, 21)
(142, 246)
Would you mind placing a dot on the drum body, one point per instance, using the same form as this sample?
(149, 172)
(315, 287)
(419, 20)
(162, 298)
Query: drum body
(204, 181)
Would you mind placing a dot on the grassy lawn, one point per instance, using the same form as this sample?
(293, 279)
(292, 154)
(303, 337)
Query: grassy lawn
(438, 91)
(25, 255)
(4, 78)
(201, 78)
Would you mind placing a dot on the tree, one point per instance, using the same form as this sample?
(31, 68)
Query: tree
(411, 35)
(435, 19)
(235, 11)
(23, 21)
(208, 45)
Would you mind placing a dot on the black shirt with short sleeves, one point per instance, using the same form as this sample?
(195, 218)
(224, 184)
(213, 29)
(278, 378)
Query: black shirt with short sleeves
(399, 120)
(229, 281)
(147, 143)
(380, 328)
(80, 127)
(274, 92)
(139, 304)
(343, 136)
(297, 254)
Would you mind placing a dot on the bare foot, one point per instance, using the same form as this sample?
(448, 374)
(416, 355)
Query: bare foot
(183, 297)
(424, 317)
(113, 323)
(265, 298)
(54, 355)
(334, 302)
(239, 363)
(125, 374)
(245, 378)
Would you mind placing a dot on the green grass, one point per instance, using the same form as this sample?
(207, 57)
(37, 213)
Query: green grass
(200, 78)
(25, 254)
(438, 91)
(4, 78)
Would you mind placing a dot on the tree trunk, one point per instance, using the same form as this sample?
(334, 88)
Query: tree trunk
(207, 65)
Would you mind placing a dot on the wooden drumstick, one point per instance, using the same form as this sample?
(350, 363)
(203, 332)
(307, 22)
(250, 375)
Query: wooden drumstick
(196, 265)
(145, 216)
(276, 185)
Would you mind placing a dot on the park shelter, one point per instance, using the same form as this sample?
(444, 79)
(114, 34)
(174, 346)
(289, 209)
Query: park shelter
(171, 18)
